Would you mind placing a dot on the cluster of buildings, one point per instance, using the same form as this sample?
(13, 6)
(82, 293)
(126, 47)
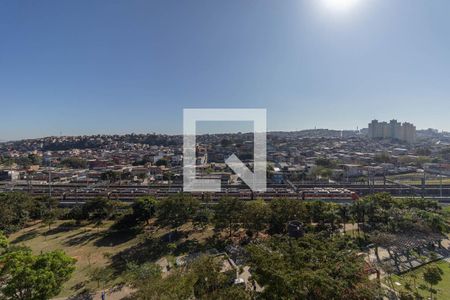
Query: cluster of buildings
(303, 156)
(405, 132)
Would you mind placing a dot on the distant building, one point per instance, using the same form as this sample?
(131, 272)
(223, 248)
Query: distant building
(393, 130)
(436, 168)
(352, 170)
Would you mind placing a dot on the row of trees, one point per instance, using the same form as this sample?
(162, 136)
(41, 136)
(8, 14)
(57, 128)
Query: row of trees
(376, 213)
(19, 208)
(230, 214)
(380, 213)
(25, 161)
(74, 163)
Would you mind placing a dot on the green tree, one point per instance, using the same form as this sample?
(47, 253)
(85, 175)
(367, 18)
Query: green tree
(433, 275)
(3, 242)
(177, 210)
(144, 208)
(344, 214)
(228, 214)
(15, 211)
(50, 217)
(332, 216)
(231, 292)
(74, 163)
(28, 277)
(383, 157)
(326, 163)
(256, 215)
(30, 159)
(323, 172)
(110, 176)
(98, 209)
(41, 205)
(78, 214)
(177, 285)
(285, 210)
(208, 276)
(203, 217)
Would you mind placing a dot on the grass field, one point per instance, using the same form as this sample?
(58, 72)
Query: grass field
(100, 247)
(443, 287)
(445, 181)
(85, 244)
(416, 179)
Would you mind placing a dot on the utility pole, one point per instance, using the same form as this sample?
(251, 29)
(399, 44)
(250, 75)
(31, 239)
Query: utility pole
(423, 184)
(50, 179)
(29, 182)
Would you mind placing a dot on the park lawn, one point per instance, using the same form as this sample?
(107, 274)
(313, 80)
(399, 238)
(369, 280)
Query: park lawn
(416, 179)
(428, 181)
(93, 246)
(86, 244)
(443, 287)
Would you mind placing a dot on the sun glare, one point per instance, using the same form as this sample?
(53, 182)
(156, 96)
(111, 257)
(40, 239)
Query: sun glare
(340, 5)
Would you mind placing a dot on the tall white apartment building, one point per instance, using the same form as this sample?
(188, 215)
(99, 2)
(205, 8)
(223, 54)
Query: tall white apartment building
(392, 130)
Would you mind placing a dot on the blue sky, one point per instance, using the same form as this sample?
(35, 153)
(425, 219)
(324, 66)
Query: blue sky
(87, 67)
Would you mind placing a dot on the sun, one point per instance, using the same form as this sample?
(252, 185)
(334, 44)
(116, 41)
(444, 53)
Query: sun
(340, 5)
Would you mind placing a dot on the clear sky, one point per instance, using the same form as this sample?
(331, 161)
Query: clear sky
(86, 67)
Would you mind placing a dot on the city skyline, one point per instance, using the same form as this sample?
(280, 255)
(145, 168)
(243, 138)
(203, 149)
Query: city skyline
(231, 128)
(90, 67)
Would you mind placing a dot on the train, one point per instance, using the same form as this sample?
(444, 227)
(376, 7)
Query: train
(329, 195)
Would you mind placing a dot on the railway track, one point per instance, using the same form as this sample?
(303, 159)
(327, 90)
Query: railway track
(76, 192)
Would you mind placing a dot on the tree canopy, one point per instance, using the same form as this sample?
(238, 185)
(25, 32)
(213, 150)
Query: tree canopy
(312, 267)
(177, 210)
(25, 276)
(144, 208)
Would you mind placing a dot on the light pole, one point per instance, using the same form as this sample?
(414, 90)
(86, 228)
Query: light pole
(50, 177)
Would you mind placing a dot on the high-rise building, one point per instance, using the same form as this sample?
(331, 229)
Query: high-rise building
(393, 130)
